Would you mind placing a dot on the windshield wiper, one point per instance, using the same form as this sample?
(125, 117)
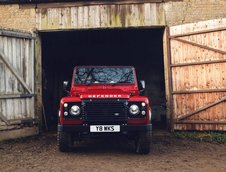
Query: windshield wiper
(121, 82)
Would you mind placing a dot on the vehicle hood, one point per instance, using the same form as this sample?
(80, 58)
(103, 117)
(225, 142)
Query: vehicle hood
(104, 93)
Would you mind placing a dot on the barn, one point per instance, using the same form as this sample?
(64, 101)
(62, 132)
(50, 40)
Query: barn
(177, 46)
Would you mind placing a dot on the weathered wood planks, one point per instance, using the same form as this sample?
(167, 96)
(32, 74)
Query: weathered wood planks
(198, 65)
(16, 76)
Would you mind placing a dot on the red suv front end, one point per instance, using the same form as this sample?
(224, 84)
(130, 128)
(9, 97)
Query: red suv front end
(104, 100)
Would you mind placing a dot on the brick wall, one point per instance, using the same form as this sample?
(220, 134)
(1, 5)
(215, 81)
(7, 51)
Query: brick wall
(190, 11)
(11, 16)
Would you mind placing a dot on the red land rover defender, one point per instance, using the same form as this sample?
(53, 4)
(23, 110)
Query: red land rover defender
(104, 100)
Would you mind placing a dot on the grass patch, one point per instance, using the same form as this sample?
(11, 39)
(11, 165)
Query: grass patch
(217, 137)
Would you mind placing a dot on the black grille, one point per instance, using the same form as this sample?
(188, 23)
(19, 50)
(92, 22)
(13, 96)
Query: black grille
(100, 111)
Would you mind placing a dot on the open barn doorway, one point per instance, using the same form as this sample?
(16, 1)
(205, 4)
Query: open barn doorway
(141, 48)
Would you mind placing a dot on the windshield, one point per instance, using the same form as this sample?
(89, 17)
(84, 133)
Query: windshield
(103, 75)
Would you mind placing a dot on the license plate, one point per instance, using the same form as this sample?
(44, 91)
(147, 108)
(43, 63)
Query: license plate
(105, 128)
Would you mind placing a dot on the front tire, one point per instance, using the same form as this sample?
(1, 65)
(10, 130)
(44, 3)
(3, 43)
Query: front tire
(143, 143)
(64, 141)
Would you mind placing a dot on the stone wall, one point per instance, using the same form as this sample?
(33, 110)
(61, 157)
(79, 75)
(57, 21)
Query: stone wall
(14, 17)
(190, 11)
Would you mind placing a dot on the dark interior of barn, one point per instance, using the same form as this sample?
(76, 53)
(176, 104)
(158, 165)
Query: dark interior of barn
(141, 48)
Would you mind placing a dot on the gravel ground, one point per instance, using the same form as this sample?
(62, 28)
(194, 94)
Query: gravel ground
(40, 153)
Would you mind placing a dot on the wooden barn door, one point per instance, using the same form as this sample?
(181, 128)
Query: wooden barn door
(16, 79)
(198, 75)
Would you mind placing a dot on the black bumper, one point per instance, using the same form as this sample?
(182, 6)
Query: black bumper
(86, 128)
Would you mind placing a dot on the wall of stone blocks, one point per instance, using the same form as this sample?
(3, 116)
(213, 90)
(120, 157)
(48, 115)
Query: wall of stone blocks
(189, 11)
(14, 17)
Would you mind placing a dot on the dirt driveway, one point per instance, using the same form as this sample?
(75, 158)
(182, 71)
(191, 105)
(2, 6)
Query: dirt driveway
(40, 153)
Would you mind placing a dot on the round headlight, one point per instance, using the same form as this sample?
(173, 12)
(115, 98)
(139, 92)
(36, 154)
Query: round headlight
(75, 110)
(134, 109)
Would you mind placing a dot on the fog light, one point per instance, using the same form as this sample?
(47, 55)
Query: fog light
(143, 113)
(65, 105)
(65, 113)
(143, 104)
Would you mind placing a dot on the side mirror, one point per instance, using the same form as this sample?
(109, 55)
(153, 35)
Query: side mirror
(142, 86)
(65, 88)
(142, 83)
(65, 85)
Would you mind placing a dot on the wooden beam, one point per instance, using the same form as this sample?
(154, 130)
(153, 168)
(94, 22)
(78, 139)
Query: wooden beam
(181, 117)
(198, 63)
(15, 96)
(201, 46)
(199, 91)
(16, 34)
(85, 3)
(17, 121)
(15, 73)
(200, 122)
(3, 118)
(170, 81)
(199, 32)
(100, 29)
(23, 121)
(166, 76)
(38, 81)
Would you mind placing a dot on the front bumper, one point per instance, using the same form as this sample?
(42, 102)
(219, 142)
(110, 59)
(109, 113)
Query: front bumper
(86, 128)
